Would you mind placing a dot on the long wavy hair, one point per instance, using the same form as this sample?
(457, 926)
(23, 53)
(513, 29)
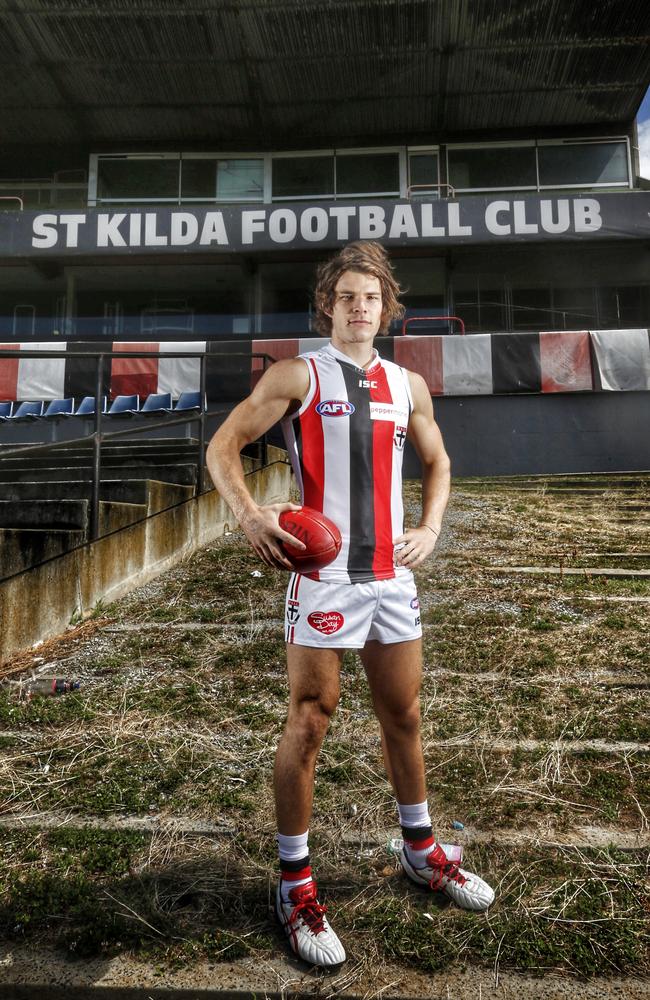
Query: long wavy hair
(364, 257)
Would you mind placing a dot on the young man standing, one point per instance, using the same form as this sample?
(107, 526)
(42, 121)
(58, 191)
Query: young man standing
(347, 459)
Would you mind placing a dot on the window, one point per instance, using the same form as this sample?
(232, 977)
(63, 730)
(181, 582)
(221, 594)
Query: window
(303, 176)
(367, 173)
(222, 179)
(586, 163)
(148, 178)
(423, 174)
(492, 167)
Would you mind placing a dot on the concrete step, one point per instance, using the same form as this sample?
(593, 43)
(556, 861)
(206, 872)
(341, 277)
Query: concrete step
(68, 515)
(155, 494)
(182, 473)
(21, 548)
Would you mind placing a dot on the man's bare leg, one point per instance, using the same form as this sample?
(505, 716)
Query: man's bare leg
(394, 674)
(313, 696)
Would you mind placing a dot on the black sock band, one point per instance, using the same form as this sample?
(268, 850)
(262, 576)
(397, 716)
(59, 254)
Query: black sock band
(415, 833)
(294, 866)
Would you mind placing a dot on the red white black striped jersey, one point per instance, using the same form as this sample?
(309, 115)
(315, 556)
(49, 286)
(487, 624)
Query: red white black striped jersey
(346, 444)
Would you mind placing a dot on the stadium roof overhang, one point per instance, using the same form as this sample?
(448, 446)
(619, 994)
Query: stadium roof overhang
(255, 74)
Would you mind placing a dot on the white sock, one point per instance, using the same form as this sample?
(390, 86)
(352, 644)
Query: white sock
(414, 815)
(293, 848)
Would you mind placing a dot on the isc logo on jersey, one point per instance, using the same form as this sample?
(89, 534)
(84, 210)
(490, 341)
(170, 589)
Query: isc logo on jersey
(335, 408)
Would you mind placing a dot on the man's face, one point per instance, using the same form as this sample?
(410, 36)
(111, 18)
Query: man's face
(356, 314)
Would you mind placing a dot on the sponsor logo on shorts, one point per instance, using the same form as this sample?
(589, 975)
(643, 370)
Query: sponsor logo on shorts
(415, 604)
(335, 408)
(326, 622)
(417, 620)
(293, 613)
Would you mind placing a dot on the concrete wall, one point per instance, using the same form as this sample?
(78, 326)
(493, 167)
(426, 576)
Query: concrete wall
(543, 434)
(39, 603)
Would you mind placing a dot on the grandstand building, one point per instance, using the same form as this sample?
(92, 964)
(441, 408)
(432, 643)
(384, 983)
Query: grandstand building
(171, 174)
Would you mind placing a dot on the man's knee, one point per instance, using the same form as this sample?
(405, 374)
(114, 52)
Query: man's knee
(402, 720)
(309, 719)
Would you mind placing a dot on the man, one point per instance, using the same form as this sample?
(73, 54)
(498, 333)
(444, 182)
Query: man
(347, 459)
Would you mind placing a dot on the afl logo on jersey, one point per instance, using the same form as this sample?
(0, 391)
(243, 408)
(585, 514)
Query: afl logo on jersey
(335, 408)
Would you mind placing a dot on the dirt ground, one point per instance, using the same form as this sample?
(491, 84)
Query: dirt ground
(138, 831)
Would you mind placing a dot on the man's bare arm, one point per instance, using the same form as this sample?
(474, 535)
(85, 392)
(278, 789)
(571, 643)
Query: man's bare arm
(283, 385)
(425, 436)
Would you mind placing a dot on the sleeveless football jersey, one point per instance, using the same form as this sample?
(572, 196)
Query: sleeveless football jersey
(346, 444)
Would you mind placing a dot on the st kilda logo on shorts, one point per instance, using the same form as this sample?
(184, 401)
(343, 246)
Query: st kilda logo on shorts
(326, 622)
(335, 408)
(293, 612)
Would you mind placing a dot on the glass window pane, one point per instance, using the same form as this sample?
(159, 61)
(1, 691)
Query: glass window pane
(303, 175)
(199, 179)
(531, 308)
(225, 180)
(130, 178)
(481, 169)
(367, 173)
(592, 163)
(423, 173)
(240, 180)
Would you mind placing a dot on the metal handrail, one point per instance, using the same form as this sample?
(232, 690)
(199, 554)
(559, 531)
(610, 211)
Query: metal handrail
(422, 319)
(98, 436)
(12, 197)
(451, 191)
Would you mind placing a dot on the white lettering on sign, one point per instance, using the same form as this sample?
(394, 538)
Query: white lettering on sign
(44, 232)
(492, 212)
(453, 215)
(314, 224)
(282, 225)
(549, 224)
(586, 215)
(428, 228)
(252, 222)
(214, 230)
(371, 222)
(184, 229)
(108, 230)
(343, 214)
(403, 223)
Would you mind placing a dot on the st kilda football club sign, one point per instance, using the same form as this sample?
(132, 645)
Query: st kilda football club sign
(242, 229)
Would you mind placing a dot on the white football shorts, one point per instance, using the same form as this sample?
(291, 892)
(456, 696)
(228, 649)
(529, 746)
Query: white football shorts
(346, 615)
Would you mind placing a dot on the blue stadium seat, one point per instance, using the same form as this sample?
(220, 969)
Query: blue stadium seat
(59, 408)
(188, 401)
(124, 406)
(86, 407)
(6, 409)
(157, 403)
(28, 411)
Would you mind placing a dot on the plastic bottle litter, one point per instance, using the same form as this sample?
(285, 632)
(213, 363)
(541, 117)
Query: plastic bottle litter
(43, 687)
(453, 852)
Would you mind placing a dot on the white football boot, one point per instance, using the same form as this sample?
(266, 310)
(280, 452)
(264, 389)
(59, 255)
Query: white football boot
(442, 875)
(306, 926)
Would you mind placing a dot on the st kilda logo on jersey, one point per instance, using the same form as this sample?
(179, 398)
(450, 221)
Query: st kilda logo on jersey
(400, 437)
(335, 408)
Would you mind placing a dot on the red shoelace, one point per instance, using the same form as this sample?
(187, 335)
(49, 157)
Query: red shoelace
(443, 868)
(307, 906)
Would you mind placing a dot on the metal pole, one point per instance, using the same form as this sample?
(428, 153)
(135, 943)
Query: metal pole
(97, 450)
(200, 464)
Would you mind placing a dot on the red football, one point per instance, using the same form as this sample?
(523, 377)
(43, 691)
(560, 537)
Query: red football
(320, 535)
